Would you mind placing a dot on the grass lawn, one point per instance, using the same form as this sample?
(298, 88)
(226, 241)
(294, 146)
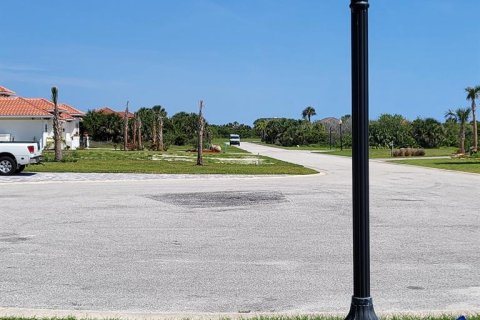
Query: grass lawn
(177, 160)
(467, 165)
(374, 153)
(386, 153)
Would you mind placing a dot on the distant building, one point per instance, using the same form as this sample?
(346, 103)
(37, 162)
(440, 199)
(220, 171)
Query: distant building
(31, 119)
(329, 122)
(107, 110)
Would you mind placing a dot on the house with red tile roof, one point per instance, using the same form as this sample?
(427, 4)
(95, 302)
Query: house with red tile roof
(4, 92)
(121, 114)
(31, 119)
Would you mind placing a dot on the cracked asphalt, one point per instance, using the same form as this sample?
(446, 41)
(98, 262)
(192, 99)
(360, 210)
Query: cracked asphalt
(223, 244)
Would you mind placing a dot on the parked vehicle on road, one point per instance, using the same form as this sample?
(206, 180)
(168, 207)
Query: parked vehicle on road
(15, 156)
(234, 139)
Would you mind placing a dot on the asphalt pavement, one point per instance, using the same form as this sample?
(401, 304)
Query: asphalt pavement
(184, 244)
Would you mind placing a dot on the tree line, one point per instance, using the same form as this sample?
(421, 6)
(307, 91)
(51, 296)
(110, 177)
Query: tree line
(388, 130)
(152, 128)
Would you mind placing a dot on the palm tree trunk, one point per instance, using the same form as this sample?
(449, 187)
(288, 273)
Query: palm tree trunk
(139, 128)
(200, 136)
(57, 133)
(160, 133)
(134, 133)
(57, 136)
(154, 133)
(462, 139)
(125, 129)
(475, 133)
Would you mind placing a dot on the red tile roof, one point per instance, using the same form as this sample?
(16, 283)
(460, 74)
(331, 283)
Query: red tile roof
(19, 107)
(42, 103)
(48, 106)
(71, 110)
(33, 107)
(6, 91)
(121, 114)
(105, 110)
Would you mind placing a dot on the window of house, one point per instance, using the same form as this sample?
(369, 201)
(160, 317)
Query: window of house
(46, 127)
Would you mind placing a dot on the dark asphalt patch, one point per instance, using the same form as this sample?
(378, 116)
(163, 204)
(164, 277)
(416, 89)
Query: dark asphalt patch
(220, 199)
(12, 238)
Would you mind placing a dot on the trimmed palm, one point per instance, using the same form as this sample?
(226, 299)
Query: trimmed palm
(473, 93)
(308, 112)
(460, 116)
(159, 115)
(57, 138)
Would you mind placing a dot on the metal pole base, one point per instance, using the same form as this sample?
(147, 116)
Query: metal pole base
(361, 309)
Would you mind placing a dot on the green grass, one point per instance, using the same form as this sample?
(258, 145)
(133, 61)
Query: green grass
(178, 160)
(374, 153)
(386, 153)
(298, 317)
(466, 165)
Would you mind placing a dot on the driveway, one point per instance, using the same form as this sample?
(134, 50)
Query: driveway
(189, 244)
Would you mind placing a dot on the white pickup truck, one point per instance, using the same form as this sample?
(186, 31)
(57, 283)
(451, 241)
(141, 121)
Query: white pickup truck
(14, 156)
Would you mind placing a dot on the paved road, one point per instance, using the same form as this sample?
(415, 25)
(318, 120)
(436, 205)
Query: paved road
(158, 243)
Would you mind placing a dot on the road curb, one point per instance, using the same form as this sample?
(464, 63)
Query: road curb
(144, 315)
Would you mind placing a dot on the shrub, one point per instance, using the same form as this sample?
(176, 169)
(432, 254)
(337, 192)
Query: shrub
(180, 140)
(408, 152)
(419, 152)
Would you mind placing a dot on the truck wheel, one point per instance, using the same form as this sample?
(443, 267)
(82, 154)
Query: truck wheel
(20, 168)
(7, 166)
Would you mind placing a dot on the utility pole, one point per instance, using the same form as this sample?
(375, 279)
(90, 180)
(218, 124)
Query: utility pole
(201, 125)
(362, 305)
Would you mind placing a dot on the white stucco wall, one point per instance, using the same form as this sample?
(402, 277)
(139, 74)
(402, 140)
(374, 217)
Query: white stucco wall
(71, 131)
(25, 129)
(34, 129)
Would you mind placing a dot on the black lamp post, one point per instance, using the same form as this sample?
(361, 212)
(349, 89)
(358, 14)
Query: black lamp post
(340, 122)
(362, 306)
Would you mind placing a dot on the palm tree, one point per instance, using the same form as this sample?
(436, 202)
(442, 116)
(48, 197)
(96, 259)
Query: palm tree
(125, 129)
(261, 126)
(201, 126)
(159, 115)
(460, 116)
(472, 94)
(56, 126)
(138, 121)
(308, 112)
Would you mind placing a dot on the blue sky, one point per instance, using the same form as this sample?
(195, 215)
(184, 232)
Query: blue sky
(246, 58)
